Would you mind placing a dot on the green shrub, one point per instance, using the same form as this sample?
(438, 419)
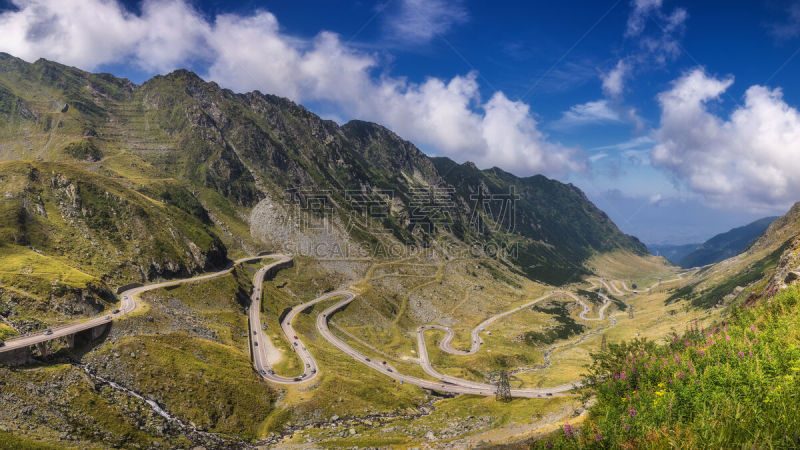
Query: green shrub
(732, 385)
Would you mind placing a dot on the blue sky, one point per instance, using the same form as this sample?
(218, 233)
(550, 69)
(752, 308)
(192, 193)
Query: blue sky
(678, 118)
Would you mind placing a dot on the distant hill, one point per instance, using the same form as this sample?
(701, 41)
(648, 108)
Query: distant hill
(673, 253)
(725, 245)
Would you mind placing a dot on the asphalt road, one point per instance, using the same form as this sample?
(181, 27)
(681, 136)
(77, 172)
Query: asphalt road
(127, 305)
(261, 345)
(447, 384)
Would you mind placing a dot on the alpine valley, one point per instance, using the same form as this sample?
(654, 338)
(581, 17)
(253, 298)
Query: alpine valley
(186, 266)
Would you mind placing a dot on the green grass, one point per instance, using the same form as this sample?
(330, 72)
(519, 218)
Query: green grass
(201, 381)
(6, 332)
(564, 328)
(20, 262)
(715, 295)
(731, 385)
(75, 405)
(12, 442)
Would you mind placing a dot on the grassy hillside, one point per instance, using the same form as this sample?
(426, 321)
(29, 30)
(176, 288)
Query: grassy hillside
(730, 385)
(726, 244)
(68, 235)
(750, 275)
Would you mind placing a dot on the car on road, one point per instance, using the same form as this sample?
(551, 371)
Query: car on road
(383, 362)
(297, 378)
(254, 333)
(108, 317)
(255, 344)
(116, 311)
(295, 344)
(313, 370)
(308, 365)
(549, 394)
(389, 370)
(263, 372)
(48, 332)
(271, 372)
(367, 359)
(2, 344)
(295, 337)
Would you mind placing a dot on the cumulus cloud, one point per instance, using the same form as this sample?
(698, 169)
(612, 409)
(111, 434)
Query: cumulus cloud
(422, 20)
(749, 158)
(247, 52)
(88, 33)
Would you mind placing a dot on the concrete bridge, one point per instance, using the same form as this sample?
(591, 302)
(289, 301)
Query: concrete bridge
(25, 349)
(20, 350)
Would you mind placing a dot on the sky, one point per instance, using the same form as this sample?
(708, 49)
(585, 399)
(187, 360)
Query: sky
(679, 119)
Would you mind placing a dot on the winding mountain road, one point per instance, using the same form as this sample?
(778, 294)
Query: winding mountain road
(265, 354)
(127, 305)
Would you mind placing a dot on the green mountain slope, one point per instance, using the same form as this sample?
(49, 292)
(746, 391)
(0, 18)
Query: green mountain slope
(725, 245)
(692, 389)
(67, 234)
(555, 226)
(673, 253)
(249, 163)
(760, 269)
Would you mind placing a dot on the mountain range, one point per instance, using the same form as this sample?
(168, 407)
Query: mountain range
(130, 182)
(716, 249)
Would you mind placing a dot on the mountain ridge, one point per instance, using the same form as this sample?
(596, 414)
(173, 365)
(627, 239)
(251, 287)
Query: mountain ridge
(253, 148)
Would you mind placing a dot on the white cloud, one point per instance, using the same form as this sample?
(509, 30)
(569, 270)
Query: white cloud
(598, 111)
(88, 33)
(597, 157)
(422, 20)
(656, 45)
(247, 52)
(639, 15)
(790, 27)
(637, 143)
(655, 198)
(749, 159)
(614, 80)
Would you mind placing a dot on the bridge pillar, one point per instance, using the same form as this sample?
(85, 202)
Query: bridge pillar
(99, 330)
(42, 347)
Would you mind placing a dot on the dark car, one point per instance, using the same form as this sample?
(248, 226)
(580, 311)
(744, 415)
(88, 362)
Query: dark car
(255, 344)
(271, 372)
(116, 311)
(367, 359)
(296, 378)
(2, 344)
(48, 332)
(262, 372)
(389, 370)
(254, 333)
